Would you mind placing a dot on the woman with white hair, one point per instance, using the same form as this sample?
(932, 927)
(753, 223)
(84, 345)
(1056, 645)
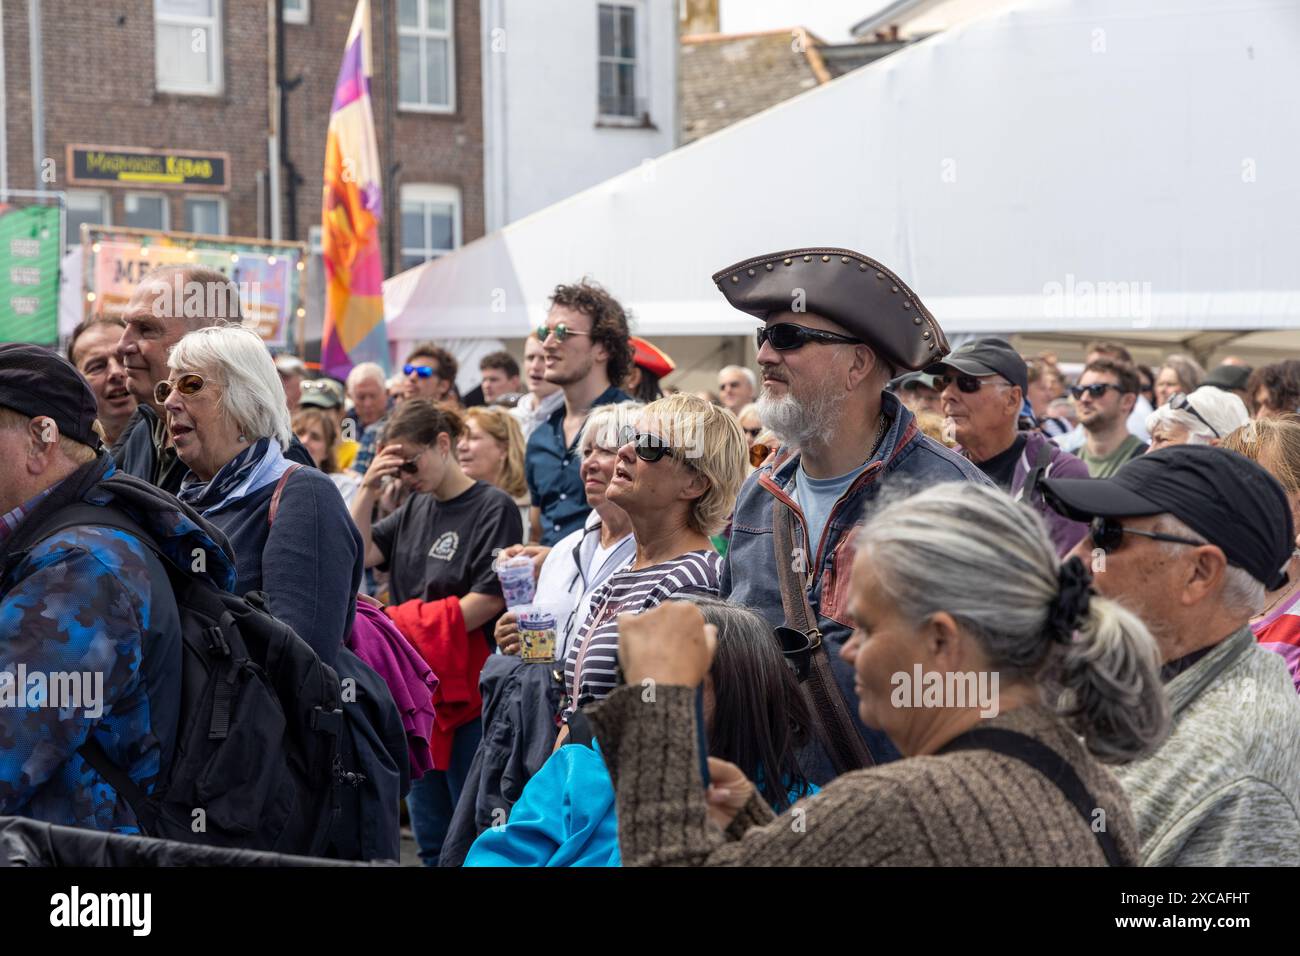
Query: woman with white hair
(1004, 680)
(1205, 417)
(289, 530)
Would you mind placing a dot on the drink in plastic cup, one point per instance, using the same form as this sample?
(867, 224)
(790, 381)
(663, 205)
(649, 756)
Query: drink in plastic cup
(536, 634)
(516, 576)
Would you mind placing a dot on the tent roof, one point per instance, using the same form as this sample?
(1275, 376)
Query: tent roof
(1069, 165)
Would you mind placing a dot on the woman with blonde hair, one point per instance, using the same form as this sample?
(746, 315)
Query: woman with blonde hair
(319, 433)
(491, 449)
(1274, 444)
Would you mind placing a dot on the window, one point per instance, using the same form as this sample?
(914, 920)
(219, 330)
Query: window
(618, 73)
(187, 46)
(146, 211)
(205, 214)
(91, 208)
(425, 67)
(297, 11)
(430, 223)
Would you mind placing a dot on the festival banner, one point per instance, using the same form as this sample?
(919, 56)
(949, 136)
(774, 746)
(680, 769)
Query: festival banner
(352, 207)
(30, 252)
(269, 275)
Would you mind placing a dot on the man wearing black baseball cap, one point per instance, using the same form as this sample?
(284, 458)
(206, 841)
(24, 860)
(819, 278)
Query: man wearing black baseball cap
(1189, 537)
(81, 597)
(982, 386)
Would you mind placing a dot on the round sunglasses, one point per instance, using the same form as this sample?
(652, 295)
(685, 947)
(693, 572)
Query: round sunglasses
(1108, 534)
(188, 384)
(787, 336)
(561, 332)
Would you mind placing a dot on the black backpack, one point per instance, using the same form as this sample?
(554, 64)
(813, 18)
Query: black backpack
(257, 762)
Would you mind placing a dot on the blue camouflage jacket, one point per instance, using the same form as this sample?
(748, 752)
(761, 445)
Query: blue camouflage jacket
(90, 644)
(906, 459)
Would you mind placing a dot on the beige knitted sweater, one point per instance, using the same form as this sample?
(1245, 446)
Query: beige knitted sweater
(968, 808)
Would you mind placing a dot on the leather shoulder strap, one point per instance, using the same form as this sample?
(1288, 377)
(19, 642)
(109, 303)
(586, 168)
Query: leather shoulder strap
(1051, 765)
(279, 490)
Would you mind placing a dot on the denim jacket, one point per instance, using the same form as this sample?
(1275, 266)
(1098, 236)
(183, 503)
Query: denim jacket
(906, 459)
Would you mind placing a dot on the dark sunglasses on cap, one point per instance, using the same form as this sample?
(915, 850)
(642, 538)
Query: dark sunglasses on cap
(787, 336)
(1094, 391)
(187, 385)
(422, 371)
(561, 332)
(1108, 534)
(1182, 403)
(966, 383)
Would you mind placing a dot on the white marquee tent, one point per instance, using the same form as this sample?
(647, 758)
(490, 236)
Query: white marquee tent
(1069, 165)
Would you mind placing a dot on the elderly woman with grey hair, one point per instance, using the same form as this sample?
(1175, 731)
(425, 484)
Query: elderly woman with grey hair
(288, 527)
(1205, 417)
(1005, 682)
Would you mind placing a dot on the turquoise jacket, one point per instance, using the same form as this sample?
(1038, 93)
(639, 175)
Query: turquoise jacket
(564, 817)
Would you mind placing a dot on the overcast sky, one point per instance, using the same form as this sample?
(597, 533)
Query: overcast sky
(829, 19)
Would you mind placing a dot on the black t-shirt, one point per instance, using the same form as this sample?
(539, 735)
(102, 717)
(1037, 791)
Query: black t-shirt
(436, 549)
(1001, 468)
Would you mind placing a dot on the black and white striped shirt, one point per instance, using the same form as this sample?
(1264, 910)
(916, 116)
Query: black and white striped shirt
(591, 667)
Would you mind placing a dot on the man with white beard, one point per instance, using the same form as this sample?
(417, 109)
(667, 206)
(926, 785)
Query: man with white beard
(837, 326)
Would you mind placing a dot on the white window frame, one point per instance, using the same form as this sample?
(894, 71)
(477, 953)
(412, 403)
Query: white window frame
(144, 194)
(422, 31)
(429, 193)
(301, 15)
(223, 223)
(217, 85)
(105, 208)
(640, 75)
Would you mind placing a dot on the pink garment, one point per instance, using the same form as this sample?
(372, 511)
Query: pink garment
(377, 641)
(1279, 632)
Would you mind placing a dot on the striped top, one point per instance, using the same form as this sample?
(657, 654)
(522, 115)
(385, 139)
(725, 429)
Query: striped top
(591, 666)
(1279, 632)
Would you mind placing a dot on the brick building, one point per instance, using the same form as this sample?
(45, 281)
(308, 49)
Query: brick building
(198, 77)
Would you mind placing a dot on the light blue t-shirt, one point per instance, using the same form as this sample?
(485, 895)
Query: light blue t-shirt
(816, 497)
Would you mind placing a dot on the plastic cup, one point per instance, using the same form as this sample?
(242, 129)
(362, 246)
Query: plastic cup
(517, 584)
(536, 634)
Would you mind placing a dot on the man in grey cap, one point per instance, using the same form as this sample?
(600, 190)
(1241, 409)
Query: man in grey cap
(983, 386)
(836, 327)
(1189, 537)
(919, 392)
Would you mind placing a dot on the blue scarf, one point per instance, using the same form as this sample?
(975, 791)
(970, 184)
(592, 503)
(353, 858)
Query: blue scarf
(203, 496)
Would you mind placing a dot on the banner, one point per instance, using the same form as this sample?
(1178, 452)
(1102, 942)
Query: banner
(29, 277)
(269, 275)
(351, 210)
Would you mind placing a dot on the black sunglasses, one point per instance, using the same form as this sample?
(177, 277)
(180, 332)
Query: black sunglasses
(1182, 403)
(1094, 391)
(787, 336)
(649, 448)
(965, 383)
(1108, 533)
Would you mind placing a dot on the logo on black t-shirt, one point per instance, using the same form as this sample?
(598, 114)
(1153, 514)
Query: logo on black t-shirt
(445, 547)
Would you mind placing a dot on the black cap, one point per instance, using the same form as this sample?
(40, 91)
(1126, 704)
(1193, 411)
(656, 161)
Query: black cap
(1230, 378)
(987, 356)
(36, 381)
(1225, 497)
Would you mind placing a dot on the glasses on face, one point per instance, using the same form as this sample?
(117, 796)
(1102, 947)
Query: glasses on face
(410, 466)
(421, 371)
(1108, 534)
(1182, 403)
(753, 433)
(787, 336)
(187, 385)
(1094, 391)
(965, 383)
(649, 447)
(561, 332)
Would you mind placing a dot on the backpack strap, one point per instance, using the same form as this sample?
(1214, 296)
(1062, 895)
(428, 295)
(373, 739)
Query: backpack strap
(145, 813)
(1051, 765)
(279, 490)
(1037, 473)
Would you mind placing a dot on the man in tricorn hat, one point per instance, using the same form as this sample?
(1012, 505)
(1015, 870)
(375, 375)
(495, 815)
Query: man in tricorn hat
(837, 326)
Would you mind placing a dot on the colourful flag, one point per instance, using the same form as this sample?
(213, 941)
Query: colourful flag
(351, 211)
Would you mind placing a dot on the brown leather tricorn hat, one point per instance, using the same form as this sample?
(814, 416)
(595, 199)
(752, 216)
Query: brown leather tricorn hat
(848, 288)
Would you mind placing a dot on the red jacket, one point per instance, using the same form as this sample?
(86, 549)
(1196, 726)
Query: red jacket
(437, 630)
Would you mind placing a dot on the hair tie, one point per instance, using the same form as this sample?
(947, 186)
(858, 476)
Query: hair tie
(1073, 597)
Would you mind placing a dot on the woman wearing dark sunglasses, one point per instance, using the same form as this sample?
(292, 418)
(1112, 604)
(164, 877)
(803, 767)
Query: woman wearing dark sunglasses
(677, 476)
(439, 548)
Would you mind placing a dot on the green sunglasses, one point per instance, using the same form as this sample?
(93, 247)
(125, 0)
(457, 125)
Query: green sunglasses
(561, 332)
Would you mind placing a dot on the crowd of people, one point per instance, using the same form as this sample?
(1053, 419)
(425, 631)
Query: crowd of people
(875, 602)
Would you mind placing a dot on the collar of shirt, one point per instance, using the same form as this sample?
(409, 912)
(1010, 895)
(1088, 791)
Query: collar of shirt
(609, 396)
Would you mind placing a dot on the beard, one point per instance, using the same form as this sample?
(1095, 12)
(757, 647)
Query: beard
(800, 422)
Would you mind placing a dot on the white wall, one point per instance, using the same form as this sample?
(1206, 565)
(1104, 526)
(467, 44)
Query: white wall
(542, 141)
